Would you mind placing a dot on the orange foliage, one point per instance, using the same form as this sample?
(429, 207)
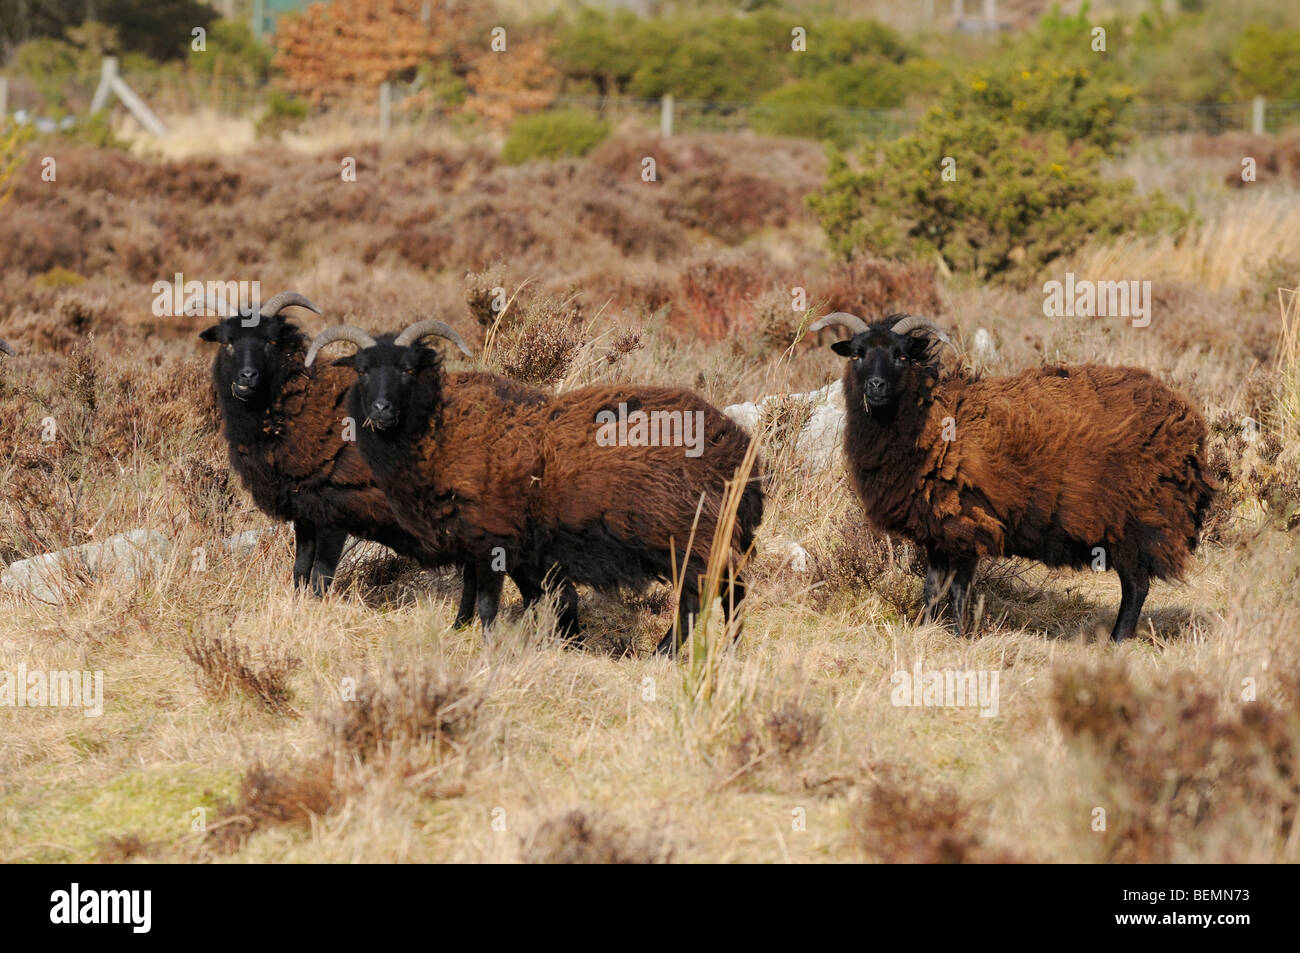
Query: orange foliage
(515, 80)
(341, 44)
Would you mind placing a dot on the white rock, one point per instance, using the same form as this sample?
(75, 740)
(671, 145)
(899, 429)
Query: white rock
(241, 544)
(985, 348)
(746, 414)
(119, 560)
(818, 443)
(793, 555)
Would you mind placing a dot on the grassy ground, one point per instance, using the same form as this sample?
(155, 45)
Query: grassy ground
(243, 722)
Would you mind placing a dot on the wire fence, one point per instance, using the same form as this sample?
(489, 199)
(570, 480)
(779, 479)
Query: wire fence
(410, 105)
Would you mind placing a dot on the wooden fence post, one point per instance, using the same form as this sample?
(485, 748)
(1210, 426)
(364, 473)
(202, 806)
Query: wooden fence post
(385, 107)
(666, 116)
(1257, 115)
(107, 74)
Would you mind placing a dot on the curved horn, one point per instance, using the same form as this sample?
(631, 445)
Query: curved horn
(912, 323)
(277, 303)
(842, 318)
(424, 329)
(340, 332)
(4, 346)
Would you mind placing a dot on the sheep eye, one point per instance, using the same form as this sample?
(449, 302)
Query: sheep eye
(228, 347)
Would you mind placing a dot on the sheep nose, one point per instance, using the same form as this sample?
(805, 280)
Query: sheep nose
(381, 408)
(875, 386)
(247, 377)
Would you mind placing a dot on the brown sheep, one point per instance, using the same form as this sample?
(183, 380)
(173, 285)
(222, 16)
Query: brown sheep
(1064, 465)
(534, 484)
(284, 428)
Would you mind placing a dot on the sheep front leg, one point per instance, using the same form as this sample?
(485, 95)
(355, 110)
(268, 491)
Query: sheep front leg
(468, 594)
(329, 547)
(489, 593)
(304, 552)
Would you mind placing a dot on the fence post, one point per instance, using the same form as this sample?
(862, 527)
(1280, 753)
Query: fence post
(4, 98)
(1257, 115)
(385, 107)
(957, 12)
(259, 18)
(666, 116)
(107, 74)
(991, 11)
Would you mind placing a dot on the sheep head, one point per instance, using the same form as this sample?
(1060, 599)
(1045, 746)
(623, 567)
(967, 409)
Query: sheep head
(888, 358)
(391, 369)
(253, 345)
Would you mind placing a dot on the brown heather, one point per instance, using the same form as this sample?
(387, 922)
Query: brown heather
(417, 732)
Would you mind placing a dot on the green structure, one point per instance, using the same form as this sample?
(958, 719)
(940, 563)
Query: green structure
(267, 12)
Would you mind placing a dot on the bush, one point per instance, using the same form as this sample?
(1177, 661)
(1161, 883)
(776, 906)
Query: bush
(232, 51)
(12, 139)
(553, 135)
(1019, 200)
(284, 113)
(1068, 100)
(1267, 61)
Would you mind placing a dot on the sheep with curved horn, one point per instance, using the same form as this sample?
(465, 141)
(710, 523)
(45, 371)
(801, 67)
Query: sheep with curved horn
(285, 430)
(547, 485)
(4, 347)
(502, 390)
(1055, 464)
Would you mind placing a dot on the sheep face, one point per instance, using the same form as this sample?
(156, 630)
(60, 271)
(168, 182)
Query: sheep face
(387, 378)
(882, 363)
(250, 358)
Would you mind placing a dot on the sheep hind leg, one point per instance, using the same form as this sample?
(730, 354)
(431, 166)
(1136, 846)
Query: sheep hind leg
(938, 581)
(1134, 582)
(304, 539)
(959, 594)
(566, 622)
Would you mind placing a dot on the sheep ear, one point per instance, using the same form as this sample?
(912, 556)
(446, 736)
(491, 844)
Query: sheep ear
(211, 334)
(348, 361)
(842, 348)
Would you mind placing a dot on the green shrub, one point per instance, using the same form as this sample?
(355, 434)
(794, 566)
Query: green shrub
(284, 113)
(553, 135)
(1020, 200)
(13, 140)
(1267, 62)
(1069, 100)
(232, 51)
(724, 58)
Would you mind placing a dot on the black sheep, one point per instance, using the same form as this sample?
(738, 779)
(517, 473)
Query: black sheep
(1064, 465)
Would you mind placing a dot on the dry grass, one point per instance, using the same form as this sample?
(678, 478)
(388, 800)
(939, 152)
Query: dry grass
(424, 744)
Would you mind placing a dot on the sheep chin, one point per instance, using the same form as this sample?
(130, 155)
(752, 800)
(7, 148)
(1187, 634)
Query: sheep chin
(234, 393)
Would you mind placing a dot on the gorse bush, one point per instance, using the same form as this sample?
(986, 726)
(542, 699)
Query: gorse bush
(1267, 62)
(1009, 203)
(553, 135)
(1069, 100)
